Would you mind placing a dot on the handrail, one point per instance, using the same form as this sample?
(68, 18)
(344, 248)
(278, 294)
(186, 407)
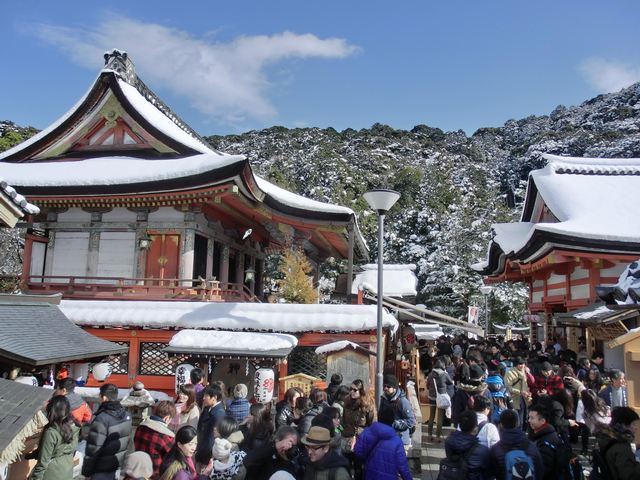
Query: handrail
(439, 318)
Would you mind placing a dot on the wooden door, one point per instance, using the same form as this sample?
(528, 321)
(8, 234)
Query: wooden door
(162, 257)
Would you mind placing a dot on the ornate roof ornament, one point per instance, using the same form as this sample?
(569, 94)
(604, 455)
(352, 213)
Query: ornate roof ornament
(119, 62)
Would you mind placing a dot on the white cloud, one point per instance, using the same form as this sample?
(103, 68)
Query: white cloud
(609, 76)
(226, 80)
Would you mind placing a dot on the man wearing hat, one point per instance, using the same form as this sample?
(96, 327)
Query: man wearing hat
(324, 462)
(394, 404)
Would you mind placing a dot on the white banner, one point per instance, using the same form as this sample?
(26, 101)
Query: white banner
(473, 315)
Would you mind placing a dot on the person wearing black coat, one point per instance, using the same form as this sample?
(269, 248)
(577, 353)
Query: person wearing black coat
(546, 439)
(464, 443)
(280, 454)
(512, 437)
(212, 412)
(108, 437)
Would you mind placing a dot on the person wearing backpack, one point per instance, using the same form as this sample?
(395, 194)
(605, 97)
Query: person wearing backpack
(613, 458)
(514, 457)
(547, 440)
(466, 457)
(487, 432)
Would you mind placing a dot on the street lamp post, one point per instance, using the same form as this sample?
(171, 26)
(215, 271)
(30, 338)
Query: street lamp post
(486, 291)
(381, 201)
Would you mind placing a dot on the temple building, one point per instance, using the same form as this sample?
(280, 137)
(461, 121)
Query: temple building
(578, 231)
(145, 228)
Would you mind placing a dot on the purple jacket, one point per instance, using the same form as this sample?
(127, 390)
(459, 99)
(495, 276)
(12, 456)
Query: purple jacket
(382, 451)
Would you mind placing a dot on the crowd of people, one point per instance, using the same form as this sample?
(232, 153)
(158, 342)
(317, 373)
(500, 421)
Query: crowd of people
(207, 432)
(517, 409)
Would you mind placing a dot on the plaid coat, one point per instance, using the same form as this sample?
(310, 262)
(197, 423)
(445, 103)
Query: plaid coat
(239, 409)
(552, 384)
(154, 438)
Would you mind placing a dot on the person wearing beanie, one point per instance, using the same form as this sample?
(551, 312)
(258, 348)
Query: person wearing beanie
(336, 381)
(227, 463)
(138, 466)
(394, 402)
(239, 406)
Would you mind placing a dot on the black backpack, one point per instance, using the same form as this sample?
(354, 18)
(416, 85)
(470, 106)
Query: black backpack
(455, 467)
(601, 470)
(567, 463)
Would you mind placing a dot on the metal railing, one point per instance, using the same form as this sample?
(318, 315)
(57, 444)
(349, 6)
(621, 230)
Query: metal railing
(196, 289)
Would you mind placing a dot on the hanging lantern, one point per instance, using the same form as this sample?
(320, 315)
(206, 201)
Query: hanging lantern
(263, 385)
(101, 371)
(183, 375)
(33, 381)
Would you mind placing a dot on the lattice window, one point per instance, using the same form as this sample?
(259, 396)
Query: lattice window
(305, 360)
(119, 363)
(153, 361)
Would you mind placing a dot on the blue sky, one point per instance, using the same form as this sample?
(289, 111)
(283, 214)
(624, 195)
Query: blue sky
(229, 67)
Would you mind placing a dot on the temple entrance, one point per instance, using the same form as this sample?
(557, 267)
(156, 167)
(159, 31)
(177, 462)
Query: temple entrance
(162, 257)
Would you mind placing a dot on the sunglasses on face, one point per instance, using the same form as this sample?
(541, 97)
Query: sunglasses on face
(388, 386)
(354, 389)
(315, 449)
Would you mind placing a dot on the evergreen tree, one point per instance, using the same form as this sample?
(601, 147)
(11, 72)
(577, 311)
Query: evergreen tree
(296, 285)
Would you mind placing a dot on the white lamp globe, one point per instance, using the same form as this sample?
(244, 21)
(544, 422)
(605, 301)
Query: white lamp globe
(381, 199)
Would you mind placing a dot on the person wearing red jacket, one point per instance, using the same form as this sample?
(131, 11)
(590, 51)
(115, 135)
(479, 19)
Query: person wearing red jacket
(153, 435)
(79, 408)
(546, 382)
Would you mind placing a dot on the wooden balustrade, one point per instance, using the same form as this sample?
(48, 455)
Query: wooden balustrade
(195, 289)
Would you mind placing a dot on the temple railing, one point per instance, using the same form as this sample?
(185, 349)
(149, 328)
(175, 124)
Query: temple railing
(182, 289)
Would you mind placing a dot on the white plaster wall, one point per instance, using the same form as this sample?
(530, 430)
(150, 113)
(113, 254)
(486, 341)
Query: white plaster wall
(116, 254)
(74, 215)
(166, 214)
(70, 253)
(119, 215)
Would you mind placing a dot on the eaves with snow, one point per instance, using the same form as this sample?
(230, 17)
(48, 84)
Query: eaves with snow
(573, 203)
(121, 139)
(397, 280)
(13, 206)
(249, 317)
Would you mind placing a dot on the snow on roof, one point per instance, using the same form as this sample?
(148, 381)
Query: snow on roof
(601, 310)
(112, 170)
(511, 236)
(159, 120)
(592, 198)
(17, 199)
(49, 129)
(426, 331)
(397, 280)
(250, 341)
(94, 392)
(294, 200)
(278, 317)
(336, 347)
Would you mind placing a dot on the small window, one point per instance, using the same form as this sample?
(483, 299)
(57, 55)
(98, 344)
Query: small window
(153, 361)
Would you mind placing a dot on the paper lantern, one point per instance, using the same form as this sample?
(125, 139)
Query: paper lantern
(101, 371)
(183, 375)
(263, 385)
(27, 381)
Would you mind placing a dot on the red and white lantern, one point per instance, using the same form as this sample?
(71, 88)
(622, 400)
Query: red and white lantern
(264, 382)
(101, 371)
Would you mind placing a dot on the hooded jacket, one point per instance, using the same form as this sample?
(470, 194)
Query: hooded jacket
(154, 437)
(512, 439)
(332, 466)
(460, 443)
(382, 452)
(404, 419)
(107, 440)
(460, 401)
(79, 408)
(356, 417)
(615, 440)
(542, 438)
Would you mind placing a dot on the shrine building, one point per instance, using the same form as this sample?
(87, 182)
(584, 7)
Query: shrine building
(146, 230)
(578, 230)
